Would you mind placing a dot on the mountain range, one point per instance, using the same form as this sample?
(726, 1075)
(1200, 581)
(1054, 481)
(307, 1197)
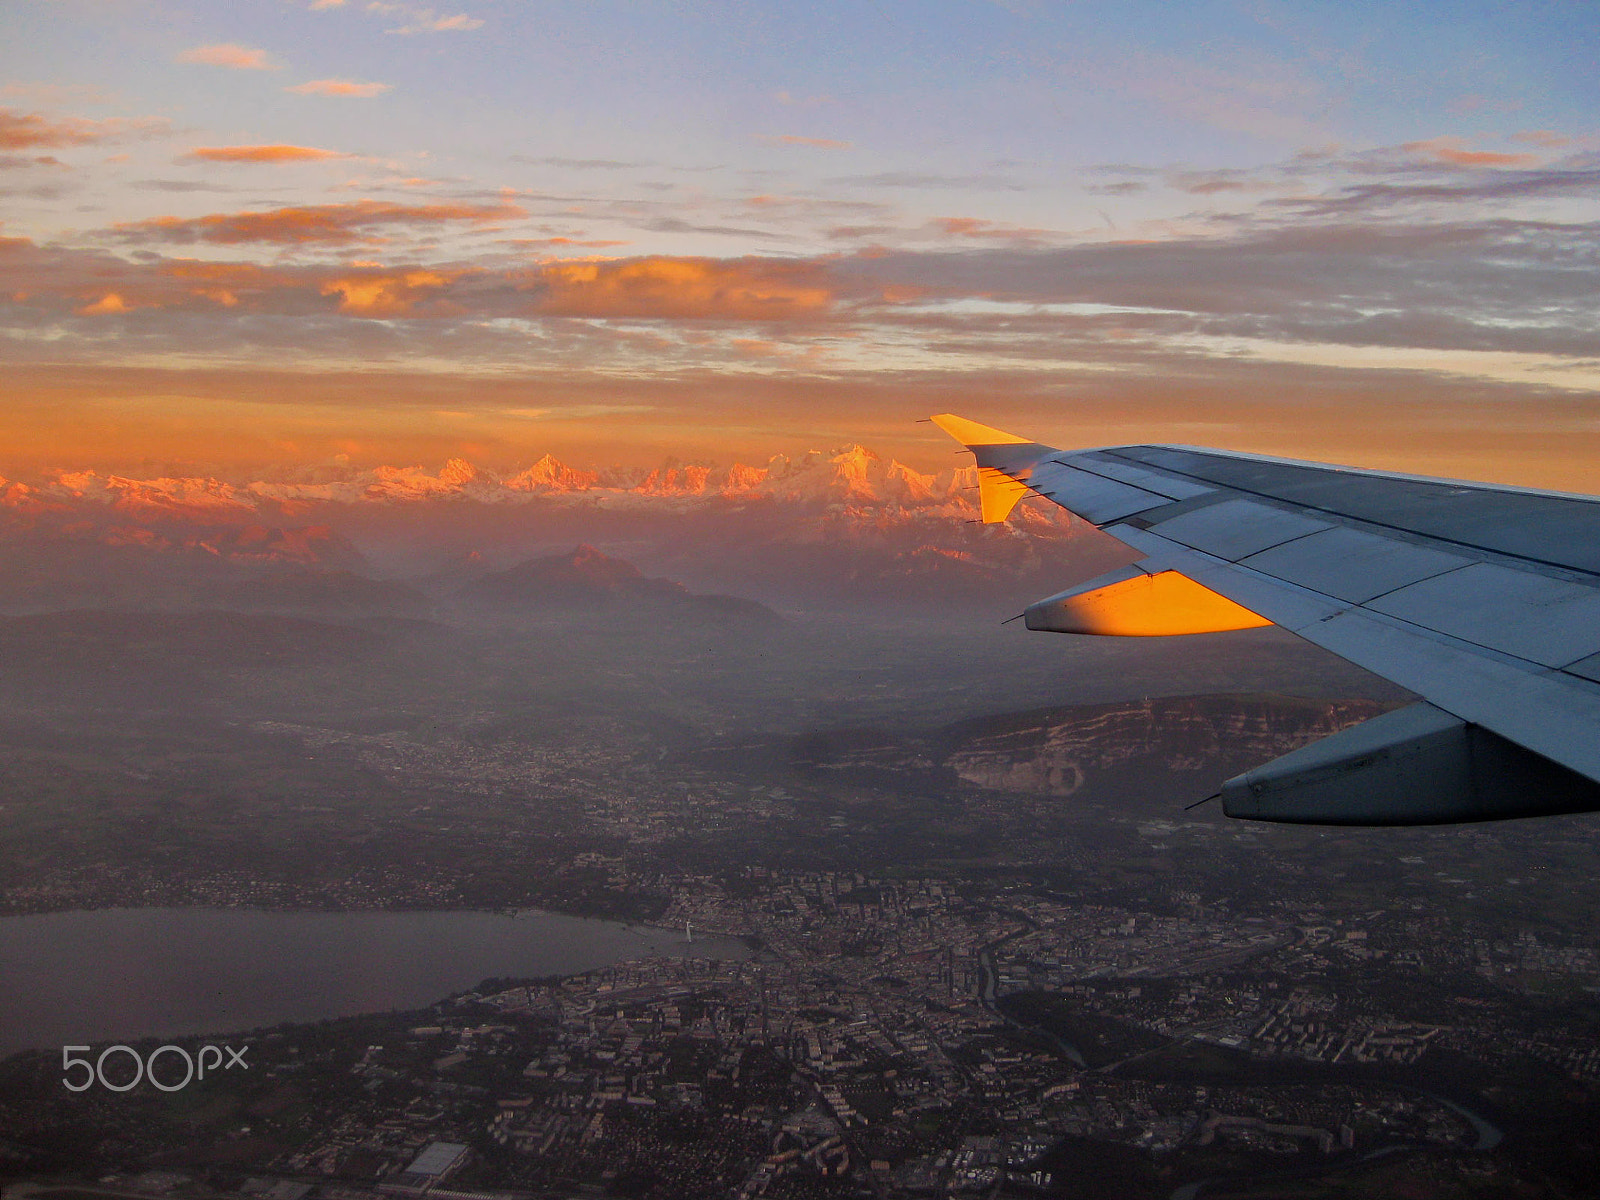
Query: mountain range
(850, 475)
(821, 527)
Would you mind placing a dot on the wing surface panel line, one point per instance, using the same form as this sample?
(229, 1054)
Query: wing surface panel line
(1299, 537)
(1486, 553)
(1170, 551)
(1400, 587)
(1088, 469)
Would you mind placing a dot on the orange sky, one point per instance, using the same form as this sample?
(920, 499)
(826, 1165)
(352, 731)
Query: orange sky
(235, 423)
(241, 239)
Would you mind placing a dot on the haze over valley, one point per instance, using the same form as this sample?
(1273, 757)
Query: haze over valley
(777, 708)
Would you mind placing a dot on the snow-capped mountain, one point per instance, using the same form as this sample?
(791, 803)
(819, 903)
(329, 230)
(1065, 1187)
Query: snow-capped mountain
(845, 524)
(851, 475)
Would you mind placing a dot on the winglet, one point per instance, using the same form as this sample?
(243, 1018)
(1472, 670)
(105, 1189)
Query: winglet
(998, 489)
(970, 433)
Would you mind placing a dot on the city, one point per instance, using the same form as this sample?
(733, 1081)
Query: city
(960, 1032)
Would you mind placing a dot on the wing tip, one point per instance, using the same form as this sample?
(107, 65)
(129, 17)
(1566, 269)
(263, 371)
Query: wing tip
(973, 433)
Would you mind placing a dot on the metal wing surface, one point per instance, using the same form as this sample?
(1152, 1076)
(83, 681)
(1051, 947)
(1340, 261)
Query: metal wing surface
(1484, 601)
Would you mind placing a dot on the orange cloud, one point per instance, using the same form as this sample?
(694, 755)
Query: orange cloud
(1542, 137)
(975, 227)
(24, 131)
(362, 289)
(423, 20)
(961, 226)
(384, 294)
(1447, 149)
(428, 23)
(108, 304)
(791, 139)
(692, 288)
(783, 97)
(530, 243)
(338, 87)
(232, 273)
(300, 225)
(230, 54)
(277, 153)
(223, 282)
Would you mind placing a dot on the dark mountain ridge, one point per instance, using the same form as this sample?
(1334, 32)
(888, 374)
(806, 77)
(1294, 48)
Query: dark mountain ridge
(586, 580)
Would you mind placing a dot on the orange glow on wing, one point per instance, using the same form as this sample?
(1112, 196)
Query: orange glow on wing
(1159, 605)
(973, 433)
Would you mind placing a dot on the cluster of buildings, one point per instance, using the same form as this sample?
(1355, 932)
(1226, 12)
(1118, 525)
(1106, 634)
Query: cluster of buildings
(870, 1041)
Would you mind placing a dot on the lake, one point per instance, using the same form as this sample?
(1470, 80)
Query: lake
(125, 973)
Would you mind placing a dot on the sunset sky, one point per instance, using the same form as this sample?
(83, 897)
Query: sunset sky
(240, 234)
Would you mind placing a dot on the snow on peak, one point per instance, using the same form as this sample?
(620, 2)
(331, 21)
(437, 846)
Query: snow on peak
(552, 475)
(184, 493)
(742, 479)
(850, 476)
(911, 487)
(853, 475)
(458, 471)
(676, 479)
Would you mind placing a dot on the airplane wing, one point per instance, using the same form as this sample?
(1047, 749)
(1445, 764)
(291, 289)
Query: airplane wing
(1484, 601)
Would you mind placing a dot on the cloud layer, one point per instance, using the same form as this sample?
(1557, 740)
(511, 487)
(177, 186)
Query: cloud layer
(260, 154)
(339, 87)
(1218, 218)
(361, 220)
(231, 55)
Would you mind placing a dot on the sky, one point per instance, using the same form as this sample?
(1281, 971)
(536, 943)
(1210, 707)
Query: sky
(235, 235)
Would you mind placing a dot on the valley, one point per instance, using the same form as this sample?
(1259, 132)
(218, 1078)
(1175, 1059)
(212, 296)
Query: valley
(990, 941)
